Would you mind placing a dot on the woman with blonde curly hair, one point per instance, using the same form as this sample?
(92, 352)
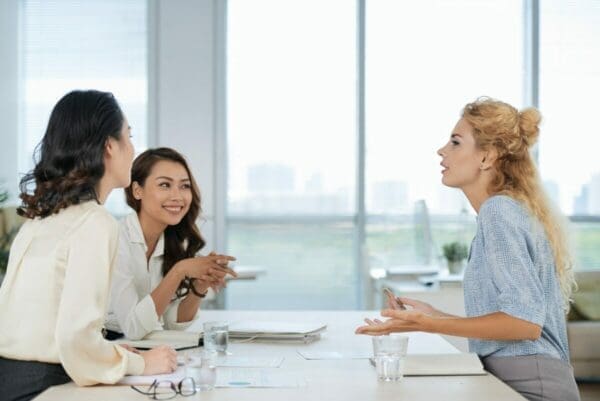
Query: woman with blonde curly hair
(519, 277)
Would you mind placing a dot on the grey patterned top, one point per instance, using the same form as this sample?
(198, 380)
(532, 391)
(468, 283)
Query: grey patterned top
(511, 270)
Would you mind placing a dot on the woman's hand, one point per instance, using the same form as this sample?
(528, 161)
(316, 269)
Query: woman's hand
(160, 360)
(400, 321)
(210, 269)
(416, 305)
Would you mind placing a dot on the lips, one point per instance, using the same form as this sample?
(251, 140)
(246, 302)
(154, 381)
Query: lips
(445, 168)
(173, 209)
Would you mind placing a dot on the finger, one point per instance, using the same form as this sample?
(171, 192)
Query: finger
(410, 301)
(394, 313)
(377, 321)
(224, 269)
(379, 329)
(369, 322)
(222, 257)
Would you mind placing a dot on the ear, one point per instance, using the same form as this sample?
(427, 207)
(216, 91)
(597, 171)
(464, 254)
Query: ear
(489, 158)
(136, 190)
(111, 147)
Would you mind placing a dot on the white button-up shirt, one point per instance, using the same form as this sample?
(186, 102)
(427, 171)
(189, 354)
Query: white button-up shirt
(54, 296)
(132, 310)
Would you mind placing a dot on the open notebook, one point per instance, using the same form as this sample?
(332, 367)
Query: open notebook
(176, 339)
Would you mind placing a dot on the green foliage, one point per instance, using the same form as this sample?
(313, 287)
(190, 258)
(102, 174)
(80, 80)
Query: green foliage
(455, 251)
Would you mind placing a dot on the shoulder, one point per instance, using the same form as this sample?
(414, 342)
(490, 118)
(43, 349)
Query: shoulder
(503, 208)
(92, 217)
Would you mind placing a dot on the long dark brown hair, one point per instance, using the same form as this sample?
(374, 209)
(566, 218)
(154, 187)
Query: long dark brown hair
(182, 240)
(70, 157)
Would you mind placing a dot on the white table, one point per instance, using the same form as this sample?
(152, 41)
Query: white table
(326, 379)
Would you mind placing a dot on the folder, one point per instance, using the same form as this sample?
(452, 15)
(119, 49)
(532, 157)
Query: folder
(276, 331)
(176, 339)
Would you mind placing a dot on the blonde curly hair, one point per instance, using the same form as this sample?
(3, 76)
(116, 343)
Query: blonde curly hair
(500, 126)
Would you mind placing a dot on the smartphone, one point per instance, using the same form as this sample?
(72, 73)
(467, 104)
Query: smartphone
(390, 294)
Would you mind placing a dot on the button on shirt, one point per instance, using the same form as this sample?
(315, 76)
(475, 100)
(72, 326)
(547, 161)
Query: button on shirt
(54, 296)
(511, 269)
(132, 310)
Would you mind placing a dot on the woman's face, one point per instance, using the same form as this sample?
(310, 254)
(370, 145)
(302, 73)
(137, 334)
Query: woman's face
(461, 159)
(167, 193)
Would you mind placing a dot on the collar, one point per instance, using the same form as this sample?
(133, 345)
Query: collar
(136, 235)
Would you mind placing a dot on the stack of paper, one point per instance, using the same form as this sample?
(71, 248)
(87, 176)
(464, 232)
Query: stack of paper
(277, 331)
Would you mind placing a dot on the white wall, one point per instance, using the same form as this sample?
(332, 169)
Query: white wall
(9, 96)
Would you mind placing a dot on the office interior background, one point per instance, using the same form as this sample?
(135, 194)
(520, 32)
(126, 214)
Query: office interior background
(312, 126)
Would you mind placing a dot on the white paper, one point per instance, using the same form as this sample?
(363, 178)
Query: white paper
(175, 377)
(236, 378)
(324, 355)
(244, 362)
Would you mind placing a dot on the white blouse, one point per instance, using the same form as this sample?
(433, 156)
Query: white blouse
(54, 295)
(132, 310)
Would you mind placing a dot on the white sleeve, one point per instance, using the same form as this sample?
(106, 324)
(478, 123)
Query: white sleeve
(136, 317)
(170, 317)
(85, 355)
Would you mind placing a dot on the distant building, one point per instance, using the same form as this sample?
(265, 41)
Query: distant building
(594, 195)
(389, 197)
(270, 178)
(580, 204)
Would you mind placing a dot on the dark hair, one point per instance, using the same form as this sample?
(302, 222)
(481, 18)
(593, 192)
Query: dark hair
(71, 153)
(182, 240)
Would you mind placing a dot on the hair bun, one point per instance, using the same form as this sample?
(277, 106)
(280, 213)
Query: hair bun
(529, 121)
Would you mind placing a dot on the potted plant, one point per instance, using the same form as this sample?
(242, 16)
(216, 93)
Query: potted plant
(6, 236)
(455, 253)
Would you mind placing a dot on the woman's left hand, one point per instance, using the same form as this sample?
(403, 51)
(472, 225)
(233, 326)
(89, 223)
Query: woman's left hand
(399, 321)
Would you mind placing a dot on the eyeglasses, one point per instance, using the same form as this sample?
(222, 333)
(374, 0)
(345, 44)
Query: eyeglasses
(166, 389)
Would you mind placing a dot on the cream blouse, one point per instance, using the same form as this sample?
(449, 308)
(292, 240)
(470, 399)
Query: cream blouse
(54, 296)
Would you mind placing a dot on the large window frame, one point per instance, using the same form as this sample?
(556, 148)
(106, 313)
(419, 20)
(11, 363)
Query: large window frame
(360, 219)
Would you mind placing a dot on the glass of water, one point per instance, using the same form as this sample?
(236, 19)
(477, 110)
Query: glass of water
(202, 367)
(390, 352)
(216, 336)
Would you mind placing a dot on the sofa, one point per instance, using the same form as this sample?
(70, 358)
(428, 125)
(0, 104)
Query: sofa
(583, 327)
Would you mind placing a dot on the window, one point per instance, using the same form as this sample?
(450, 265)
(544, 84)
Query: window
(569, 84)
(291, 151)
(92, 44)
(415, 90)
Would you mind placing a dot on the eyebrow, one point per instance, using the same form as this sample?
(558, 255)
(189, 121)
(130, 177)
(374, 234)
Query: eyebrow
(162, 177)
(455, 134)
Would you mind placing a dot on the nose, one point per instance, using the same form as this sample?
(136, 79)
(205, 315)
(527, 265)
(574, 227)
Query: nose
(176, 192)
(440, 151)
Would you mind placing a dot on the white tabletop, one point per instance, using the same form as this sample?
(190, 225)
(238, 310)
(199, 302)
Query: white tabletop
(347, 379)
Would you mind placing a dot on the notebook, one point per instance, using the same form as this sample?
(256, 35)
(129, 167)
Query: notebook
(463, 364)
(176, 339)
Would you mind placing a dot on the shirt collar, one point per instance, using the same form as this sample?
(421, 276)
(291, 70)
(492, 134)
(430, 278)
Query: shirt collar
(136, 235)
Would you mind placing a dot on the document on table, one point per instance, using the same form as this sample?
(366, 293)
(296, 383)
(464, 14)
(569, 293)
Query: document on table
(254, 378)
(322, 355)
(246, 362)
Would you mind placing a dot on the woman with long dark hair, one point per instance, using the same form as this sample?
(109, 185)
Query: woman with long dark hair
(54, 296)
(159, 280)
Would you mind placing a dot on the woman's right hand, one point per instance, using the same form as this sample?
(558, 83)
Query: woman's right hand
(159, 360)
(211, 269)
(418, 306)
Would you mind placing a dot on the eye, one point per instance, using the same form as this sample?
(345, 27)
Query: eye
(164, 185)
(186, 186)
(454, 142)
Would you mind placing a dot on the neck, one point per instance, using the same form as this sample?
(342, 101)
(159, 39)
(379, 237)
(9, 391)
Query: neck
(103, 189)
(151, 229)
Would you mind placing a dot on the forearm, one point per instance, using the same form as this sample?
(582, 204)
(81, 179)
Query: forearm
(188, 308)
(163, 293)
(495, 326)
